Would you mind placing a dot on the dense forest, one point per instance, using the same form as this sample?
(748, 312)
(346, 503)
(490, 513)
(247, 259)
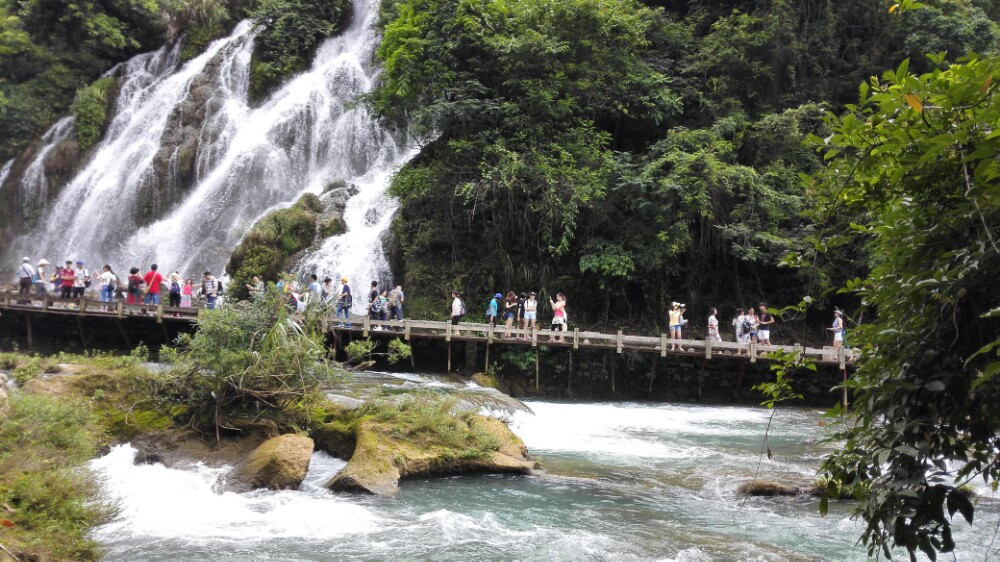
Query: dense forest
(631, 154)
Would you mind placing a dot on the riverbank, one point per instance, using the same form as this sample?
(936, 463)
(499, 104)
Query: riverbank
(65, 408)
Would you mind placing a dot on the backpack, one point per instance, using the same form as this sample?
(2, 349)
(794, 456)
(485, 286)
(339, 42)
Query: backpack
(133, 285)
(376, 305)
(218, 287)
(175, 288)
(747, 326)
(464, 309)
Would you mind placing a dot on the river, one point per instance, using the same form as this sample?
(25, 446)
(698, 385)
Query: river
(623, 481)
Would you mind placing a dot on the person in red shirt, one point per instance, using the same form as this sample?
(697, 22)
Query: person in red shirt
(67, 277)
(152, 280)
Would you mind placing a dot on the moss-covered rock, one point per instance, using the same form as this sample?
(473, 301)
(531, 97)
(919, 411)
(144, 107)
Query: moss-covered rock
(279, 463)
(336, 438)
(385, 453)
(269, 248)
(770, 488)
(332, 226)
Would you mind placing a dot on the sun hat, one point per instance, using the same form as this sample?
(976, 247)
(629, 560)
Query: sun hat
(43, 262)
(683, 305)
(25, 259)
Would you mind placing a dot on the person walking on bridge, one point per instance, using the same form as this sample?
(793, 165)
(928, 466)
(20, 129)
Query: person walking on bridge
(66, 277)
(458, 310)
(153, 279)
(40, 290)
(674, 322)
(25, 275)
(344, 302)
(396, 298)
(210, 289)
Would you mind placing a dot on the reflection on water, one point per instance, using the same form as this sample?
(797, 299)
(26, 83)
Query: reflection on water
(621, 481)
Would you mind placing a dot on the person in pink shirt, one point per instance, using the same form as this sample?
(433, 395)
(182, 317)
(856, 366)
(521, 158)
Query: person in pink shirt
(186, 291)
(153, 279)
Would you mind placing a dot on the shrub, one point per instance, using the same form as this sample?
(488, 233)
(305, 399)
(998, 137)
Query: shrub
(90, 108)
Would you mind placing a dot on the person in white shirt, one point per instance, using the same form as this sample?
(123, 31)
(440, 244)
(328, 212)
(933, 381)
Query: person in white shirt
(713, 326)
(530, 321)
(108, 281)
(457, 310)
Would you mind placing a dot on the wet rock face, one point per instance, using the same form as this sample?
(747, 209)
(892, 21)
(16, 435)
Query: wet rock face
(279, 463)
(184, 146)
(382, 458)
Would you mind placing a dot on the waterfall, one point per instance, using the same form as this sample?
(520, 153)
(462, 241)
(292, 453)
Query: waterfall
(187, 165)
(33, 190)
(5, 171)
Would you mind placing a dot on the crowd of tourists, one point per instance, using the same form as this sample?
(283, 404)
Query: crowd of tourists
(74, 280)
(513, 311)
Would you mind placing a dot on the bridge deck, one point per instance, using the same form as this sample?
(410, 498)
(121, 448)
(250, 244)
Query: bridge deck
(438, 330)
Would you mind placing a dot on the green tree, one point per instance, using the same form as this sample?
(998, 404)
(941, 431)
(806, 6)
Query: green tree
(914, 164)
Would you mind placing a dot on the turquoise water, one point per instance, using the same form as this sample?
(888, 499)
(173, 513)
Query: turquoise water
(622, 481)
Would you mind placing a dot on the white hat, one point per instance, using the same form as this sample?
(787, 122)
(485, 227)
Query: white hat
(25, 259)
(43, 262)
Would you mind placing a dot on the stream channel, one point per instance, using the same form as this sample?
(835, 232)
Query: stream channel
(621, 481)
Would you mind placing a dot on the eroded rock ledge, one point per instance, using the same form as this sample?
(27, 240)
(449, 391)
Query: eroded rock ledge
(381, 458)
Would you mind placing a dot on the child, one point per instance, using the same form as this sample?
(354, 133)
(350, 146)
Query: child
(186, 293)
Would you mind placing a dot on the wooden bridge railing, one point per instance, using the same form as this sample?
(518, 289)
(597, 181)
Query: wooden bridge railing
(464, 331)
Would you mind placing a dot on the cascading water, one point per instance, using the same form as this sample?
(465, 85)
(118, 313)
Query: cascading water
(5, 171)
(131, 203)
(33, 189)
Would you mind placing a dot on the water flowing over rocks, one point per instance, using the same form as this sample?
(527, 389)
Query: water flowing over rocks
(188, 165)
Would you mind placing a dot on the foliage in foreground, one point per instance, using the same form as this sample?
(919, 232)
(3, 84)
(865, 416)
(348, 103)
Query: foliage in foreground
(53, 502)
(914, 174)
(432, 419)
(248, 358)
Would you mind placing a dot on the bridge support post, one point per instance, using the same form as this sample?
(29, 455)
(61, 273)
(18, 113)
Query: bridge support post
(739, 378)
(569, 379)
(618, 342)
(120, 310)
(536, 368)
(534, 343)
(159, 313)
(449, 355)
(613, 360)
(486, 369)
(708, 352)
(28, 316)
(842, 363)
(576, 338)
(652, 375)
(663, 345)
(45, 302)
(406, 331)
(701, 376)
(753, 352)
(366, 325)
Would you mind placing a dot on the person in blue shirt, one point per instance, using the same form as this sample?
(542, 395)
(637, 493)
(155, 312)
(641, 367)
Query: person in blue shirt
(344, 302)
(493, 309)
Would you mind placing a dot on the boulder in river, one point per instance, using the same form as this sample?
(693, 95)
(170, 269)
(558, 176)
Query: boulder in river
(770, 488)
(382, 457)
(280, 463)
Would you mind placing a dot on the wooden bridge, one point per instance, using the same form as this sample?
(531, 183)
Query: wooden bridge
(436, 330)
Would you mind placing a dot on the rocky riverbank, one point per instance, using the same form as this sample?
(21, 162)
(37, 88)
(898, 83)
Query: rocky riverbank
(385, 439)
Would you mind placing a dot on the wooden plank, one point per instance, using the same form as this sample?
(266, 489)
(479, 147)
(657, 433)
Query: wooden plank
(753, 351)
(447, 338)
(663, 345)
(366, 325)
(576, 338)
(159, 313)
(534, 343)
(708, 348)
(406, 330)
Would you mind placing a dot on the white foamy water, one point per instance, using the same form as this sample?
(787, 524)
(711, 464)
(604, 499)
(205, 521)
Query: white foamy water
(248, 160)
(5, 171)
(161, 503)
(598, 499)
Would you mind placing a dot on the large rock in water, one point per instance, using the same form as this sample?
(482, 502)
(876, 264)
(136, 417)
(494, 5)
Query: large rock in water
(280, 463)
(381, 458)
(771, 488)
